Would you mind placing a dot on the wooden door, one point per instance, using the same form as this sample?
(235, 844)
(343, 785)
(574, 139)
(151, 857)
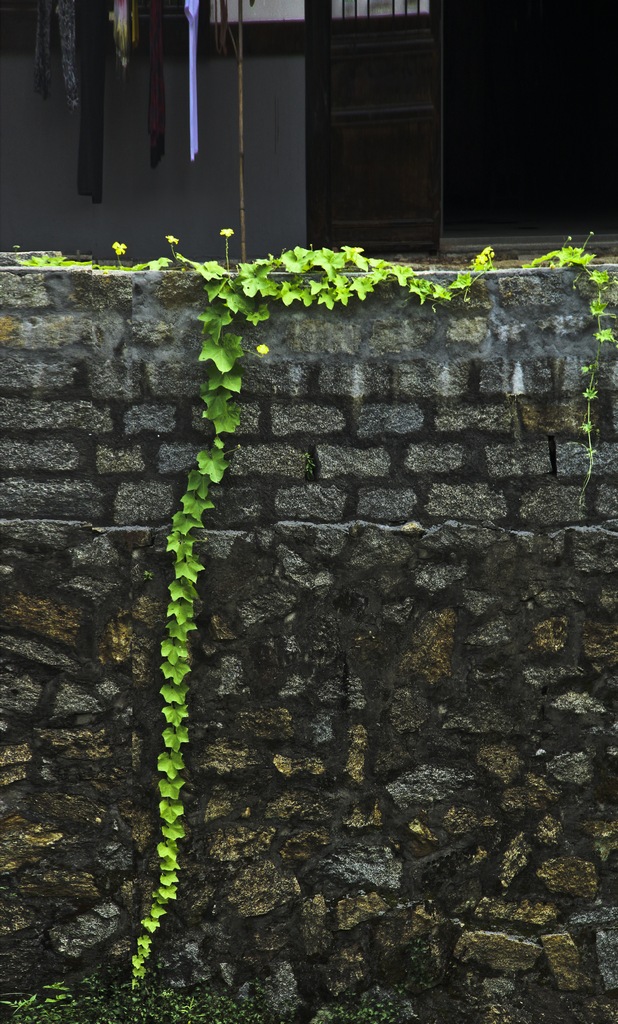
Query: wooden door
(373, 129)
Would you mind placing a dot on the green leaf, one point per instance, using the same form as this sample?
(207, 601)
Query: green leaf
(179, 590)
(166, 892)
(258, 315)
(183, 523)
(174, 693)
(606, 334)
(149, 923)
(362, 286)
(223, 353)
(180, 610)
(175, 831)
(175, 713)
(168, 878)
(175, 672)
(171, 762)
(175, 737)
(169, 811)
(178, 630)
(188, 568)
(213, 464)
(173, 650)
(599, 277)
(170, 788)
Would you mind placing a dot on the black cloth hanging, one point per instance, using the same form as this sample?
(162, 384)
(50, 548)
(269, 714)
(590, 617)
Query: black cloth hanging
(93, 24)
(156, 102)
(42, 53)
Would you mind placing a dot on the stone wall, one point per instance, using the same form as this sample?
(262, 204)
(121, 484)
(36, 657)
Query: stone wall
(402, 769)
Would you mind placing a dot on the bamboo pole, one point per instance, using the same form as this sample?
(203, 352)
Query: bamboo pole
(241, 136)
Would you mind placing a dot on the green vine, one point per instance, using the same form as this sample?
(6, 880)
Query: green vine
(321, 276)
(577, 256)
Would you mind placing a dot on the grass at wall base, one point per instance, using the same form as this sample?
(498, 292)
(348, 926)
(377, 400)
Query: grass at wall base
(97, 1000)
(305, 276)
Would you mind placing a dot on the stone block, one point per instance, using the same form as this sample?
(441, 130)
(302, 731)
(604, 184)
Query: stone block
(269, 379)
(575, 768)
(476, 502)
(356, 909)
(23, 289)
(239, 842)
(258, 889)
(487, 419)
(570, 875)
(356, 380)
(337, 461)
(498, 950)
(607, 501)
(551, 415)
(518, 460)
(155, 419)
(268, 460)
(42, 456)
(304, 418)
(21, 414)
(314, 501)
(533, 288)
(516, 377)
(386, 506)
(41, 615)
(30, 375)
(552, 504)
(363, 866)
(318, 336)
(434, 458)
(116, 378)
(470, 331)
(526, 912)
(19, 693)
(58, 499)
(85, 931)
(564, 960)
(426, 784)
(398, 419)
(402, 334)
(145, 502)
(422, 378)
(119, 460)
(172, 380)
(10, 327)
(607, 956)
(429, 656)
(24, 842)
(177, 457)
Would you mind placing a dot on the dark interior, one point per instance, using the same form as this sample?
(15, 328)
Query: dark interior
(530, 92)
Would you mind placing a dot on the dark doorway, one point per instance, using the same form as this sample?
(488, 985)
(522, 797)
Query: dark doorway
(529, 92)
(373, 124)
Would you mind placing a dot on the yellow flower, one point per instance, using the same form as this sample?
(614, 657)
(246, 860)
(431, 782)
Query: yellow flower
(119, 248)
(226, 232)
(172, 240)
(262, 350)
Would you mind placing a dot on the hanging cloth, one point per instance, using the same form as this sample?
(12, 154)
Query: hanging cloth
(156, 101)
(42, 54)
(93, 30)
(122, 33)
(192, 10)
